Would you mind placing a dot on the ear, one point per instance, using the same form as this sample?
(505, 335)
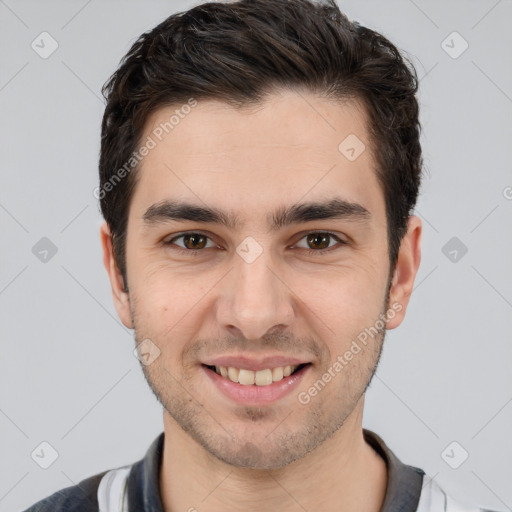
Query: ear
(408, 262)
(121, 298)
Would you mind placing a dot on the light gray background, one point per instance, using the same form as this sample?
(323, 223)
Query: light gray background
(68, 375)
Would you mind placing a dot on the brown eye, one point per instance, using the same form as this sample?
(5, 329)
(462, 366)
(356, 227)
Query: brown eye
(190, 242)
(319, 243)
(194, 241)
(318, 240)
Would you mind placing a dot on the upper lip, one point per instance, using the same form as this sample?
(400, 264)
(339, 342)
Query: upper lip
(255, 364)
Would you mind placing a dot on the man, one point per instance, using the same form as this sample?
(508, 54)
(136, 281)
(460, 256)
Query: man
(259, 164)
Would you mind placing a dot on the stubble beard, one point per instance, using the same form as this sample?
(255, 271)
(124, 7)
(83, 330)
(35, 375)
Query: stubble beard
(263, 437)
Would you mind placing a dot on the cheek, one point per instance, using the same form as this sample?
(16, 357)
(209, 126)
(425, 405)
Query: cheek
(346, 314)
(165, 299)
(345, 301)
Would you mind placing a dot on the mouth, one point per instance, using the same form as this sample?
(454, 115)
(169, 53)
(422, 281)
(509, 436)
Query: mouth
(256, 388)
(264, 377)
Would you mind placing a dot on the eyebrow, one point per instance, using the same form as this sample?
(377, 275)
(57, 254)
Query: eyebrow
(335, 208)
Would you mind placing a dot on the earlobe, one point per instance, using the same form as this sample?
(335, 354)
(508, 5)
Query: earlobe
(121, 298)
(409, 258)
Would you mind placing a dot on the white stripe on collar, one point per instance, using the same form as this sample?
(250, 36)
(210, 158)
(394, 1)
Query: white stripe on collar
(112, 490)
(433, 498)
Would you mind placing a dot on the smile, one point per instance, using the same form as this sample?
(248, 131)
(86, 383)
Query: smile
(252, 388)
(259, 378)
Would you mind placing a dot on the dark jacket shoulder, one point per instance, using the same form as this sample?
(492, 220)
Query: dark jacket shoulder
(81, 497)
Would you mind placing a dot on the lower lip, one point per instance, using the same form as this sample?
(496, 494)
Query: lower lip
(253, 394)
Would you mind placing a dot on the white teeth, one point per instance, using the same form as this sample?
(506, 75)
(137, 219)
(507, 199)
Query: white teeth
(246, 377)
(260, 377)
(277, 374)
(263, 377)
(233, 374)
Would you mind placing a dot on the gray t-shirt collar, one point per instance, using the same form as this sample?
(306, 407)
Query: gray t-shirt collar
(402, 494)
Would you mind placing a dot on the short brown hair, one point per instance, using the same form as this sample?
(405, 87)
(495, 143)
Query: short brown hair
(239, 51)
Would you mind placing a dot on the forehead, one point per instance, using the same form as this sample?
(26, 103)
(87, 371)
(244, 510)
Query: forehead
(291, 148)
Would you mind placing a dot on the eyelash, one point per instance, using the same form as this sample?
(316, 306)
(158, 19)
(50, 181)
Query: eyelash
(195, 253)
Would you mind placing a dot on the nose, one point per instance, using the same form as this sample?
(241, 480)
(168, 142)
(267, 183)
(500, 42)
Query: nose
(254, 299)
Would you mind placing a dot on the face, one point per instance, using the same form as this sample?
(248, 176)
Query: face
(264, 283)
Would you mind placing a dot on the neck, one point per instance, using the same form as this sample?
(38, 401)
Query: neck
(343, 474)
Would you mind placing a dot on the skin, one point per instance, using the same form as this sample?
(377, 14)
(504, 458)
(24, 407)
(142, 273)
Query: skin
(285, 456)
